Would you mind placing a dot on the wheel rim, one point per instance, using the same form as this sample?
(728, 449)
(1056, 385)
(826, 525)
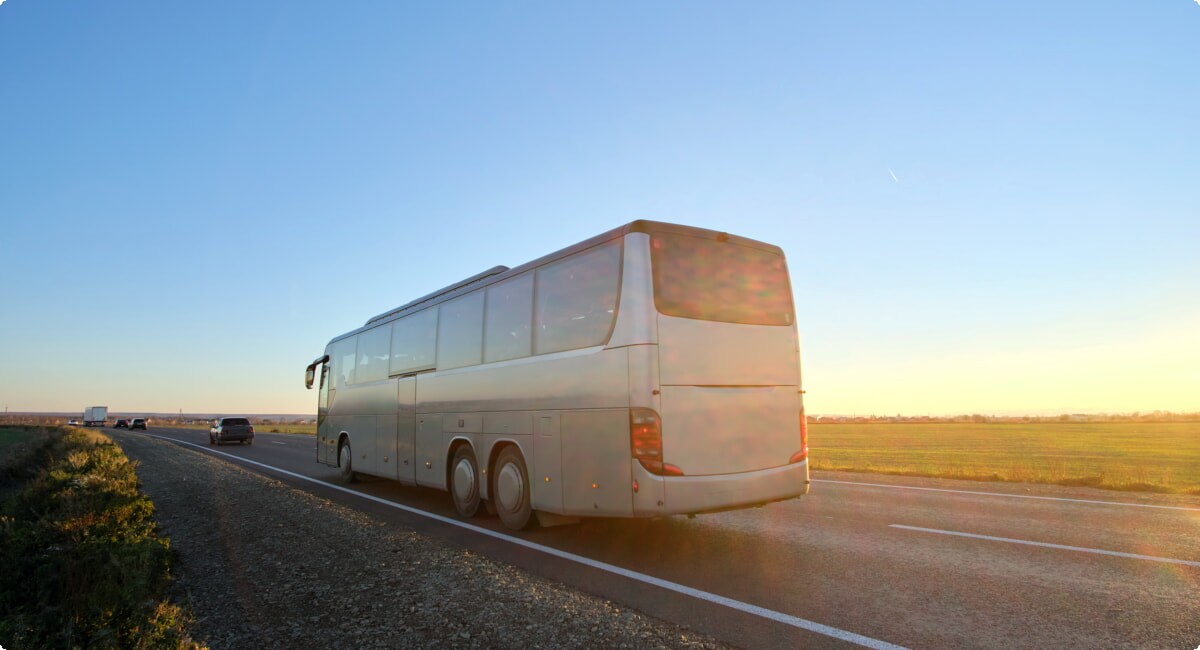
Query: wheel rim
(464, 480)
(344, 459)
(510, 487)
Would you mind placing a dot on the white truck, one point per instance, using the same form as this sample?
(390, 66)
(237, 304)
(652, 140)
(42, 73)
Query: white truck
(95, 416)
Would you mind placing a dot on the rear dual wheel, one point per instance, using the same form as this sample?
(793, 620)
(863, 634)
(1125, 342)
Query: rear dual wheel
(510, 490)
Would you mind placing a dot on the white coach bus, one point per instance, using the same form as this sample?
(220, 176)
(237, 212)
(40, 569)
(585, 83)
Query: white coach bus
(651, 370)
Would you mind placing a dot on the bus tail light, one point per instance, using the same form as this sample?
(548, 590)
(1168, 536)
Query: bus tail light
(802, 455)
(645, 440)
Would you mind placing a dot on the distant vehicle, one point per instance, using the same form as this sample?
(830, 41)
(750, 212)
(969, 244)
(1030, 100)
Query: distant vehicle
(231, 430)
(73, 423)
(95, 416)
(651, 370)
(137, 423)
(121, 424)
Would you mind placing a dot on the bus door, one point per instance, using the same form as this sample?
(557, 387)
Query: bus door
(406, 425)
(322, 416)
(322, 403)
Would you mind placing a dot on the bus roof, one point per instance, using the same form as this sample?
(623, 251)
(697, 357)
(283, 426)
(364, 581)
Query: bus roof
(500, 273)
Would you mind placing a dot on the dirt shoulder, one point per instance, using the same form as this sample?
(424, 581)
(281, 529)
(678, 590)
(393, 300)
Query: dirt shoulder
(263, 564)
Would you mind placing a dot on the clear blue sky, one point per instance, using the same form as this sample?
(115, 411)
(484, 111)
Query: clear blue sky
(987, 207)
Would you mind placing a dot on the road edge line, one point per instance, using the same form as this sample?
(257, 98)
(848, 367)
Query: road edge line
(1009, 496)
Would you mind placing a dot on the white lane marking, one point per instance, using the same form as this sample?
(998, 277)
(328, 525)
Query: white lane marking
(1063, 547)
(276, 442)
(779, 617)
(1009, 496)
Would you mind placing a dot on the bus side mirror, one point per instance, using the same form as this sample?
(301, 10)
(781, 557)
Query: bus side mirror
(311, 372)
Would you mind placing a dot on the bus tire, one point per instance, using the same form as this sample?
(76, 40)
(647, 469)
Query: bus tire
(510, 490)
(346, 464)
(464, 482)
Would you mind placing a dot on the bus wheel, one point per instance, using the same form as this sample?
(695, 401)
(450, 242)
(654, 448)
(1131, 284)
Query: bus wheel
(464, 481)
(345, 469)
(511, 490)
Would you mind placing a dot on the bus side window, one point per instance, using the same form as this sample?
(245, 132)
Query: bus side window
(506, 333)
(343, 362)
(414, 342)
(324, 390)
(460, 332)
(577, 299)
(373, 354)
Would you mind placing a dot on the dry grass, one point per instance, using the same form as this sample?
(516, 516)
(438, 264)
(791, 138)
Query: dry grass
(1137, 456)
(295, 429)
(19, 445)
(84, 567)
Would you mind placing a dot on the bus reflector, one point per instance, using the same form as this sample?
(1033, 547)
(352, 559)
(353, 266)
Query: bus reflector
(802, 455)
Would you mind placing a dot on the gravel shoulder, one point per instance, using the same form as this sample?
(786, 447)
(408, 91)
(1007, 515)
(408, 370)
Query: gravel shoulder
(262, 564)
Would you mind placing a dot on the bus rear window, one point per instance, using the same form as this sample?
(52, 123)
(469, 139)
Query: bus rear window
(706, 279)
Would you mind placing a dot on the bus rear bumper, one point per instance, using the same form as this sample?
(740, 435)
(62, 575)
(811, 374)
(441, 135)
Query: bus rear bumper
(699, 494)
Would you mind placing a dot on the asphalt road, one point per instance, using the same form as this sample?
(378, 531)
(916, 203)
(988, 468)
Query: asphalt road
(863, 560)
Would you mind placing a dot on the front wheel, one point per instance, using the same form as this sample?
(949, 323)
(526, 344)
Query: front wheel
(511, 490)
(464, 482)
(345, 468)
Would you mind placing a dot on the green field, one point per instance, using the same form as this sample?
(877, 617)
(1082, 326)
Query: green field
(1143, 456)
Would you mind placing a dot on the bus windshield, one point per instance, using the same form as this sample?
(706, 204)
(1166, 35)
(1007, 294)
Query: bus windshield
(712, 280)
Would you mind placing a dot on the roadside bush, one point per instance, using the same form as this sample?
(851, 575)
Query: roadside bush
(82, 564)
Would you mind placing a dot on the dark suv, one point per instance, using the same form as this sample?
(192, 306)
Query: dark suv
(231, 430)
(138, 423)
(121, 424)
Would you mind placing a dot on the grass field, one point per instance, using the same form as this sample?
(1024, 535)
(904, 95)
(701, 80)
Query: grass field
(1138, 456)
(1141, 456)
(11, 437)
(298, 429)
(17, 445)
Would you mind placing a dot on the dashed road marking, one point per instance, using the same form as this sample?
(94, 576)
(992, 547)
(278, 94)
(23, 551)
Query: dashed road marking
(1061, 547)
